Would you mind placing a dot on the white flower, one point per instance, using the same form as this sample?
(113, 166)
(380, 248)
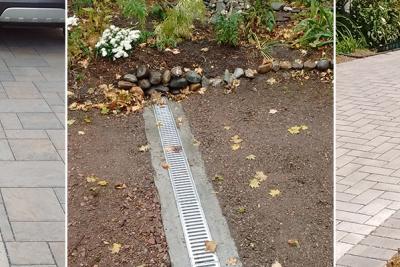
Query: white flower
(72, 21)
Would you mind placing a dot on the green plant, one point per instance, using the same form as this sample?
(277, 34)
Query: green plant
(317, 29)
(157, 11)
(135, 9)
(227, 29)
(348, 36)
(179, 22)
(260, 14)
(78, 4)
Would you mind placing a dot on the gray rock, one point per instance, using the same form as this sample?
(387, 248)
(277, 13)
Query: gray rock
(175, 91)
(130, 78)
(149, 91)
(166, 77)
(286, 65)
(249, 73)
(277, 6)
(178, 83)
(239, 72)
(228, 77)
(215, 82)
(220, 6)
(310, 65)
(264, 68)
(176, 71)
(275, 66)
(155, 77)
(193, 77)
(323, 65)
(160, 88)
(144, 84)
(195, 87)
(125, 85)
(297, 64)
(142, 72)
(205, 82)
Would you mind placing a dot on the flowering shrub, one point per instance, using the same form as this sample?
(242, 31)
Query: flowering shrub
(71, 22)
(116, 42)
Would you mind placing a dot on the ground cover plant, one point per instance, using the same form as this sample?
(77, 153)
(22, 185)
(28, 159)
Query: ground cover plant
(257, 62)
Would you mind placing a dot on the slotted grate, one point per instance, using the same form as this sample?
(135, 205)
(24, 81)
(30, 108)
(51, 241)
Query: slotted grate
(191, 214)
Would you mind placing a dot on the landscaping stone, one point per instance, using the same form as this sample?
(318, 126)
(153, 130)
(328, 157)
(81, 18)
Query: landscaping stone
(249, 73)
(195, 87)
(193, 77)
(166, 77)
(160, 88)
(228, 77)
(286, 65)
(136, 90)
(155, 77)
(144, 84)
(298, 64)
(215, 82)
(175, 91)
(323, 65)
(310, 65)
(142, 72)
(150, 91)
(125, 85)
(176, 71)
(130, 78)
(178, 83)
(275, 65)
(238, 73)
(277, 6)
(264, 68)
(205, 82)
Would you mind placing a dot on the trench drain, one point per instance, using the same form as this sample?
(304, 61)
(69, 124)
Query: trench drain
(191, 214)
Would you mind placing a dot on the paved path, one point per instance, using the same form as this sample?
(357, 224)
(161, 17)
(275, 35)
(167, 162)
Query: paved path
(32, 147)
(368, 160)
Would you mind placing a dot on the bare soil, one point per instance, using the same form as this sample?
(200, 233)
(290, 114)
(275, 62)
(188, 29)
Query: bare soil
(100, 216)
(300, 166)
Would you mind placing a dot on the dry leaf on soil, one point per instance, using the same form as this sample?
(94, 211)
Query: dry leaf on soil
(272, 111)
(251, 157)
(254, 183)
(70, 122)
(120, 186)
(116, 247)
(165, 165)
(276, 264)
(271, 81)
(294, 243)
(81, 133)
(211, 246)
(144, 148)
(227, 127)
(274, 192)
(102, 183)
(235, 147)
(232, 261)
(297, 128)
(91, 179)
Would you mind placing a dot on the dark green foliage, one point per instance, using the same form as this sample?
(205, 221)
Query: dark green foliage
(227, 29)
(135, 9)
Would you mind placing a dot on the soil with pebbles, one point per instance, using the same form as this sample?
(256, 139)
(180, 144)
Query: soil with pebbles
(300, 166)
(99, 217)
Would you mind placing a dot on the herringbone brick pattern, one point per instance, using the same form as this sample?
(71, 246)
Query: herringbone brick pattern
(368, 160)
(32, 172)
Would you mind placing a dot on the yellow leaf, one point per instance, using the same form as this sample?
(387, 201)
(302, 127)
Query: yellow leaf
(274, 192)
(70, 122)
(235, 147)
(294, 130)
(304, 127)
(260, 176)
(276, 264)
(211, 246)
(271, 81)
(102, 183)
(254, 183)
(120, 186)
(165, 165)
(251, 157)
(144, 148)
(91, 179)
(81, 132)
(232, 261)
(236, 139)
(294, 243)
(116, 247)
(196, 142)
(227, 127)
(87, 120)
(272, 111)
(241, 210)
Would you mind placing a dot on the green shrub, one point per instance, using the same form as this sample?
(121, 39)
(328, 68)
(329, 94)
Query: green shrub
(379, 20)
(78, 4)
(157, 11)
(348, 36)
(260, 14)
(135, 9)
(227, 29)
(179, 22)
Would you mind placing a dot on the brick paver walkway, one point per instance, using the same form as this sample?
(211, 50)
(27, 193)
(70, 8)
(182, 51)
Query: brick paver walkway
(368, 161)
(32, 147)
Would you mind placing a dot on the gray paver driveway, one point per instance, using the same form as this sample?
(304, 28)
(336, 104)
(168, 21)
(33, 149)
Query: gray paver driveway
(32, 147)
(368, 160)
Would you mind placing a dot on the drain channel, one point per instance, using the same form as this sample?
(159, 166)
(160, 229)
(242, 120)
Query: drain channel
(191, 214)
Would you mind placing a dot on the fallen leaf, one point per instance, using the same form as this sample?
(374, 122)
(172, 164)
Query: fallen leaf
(211, 246)
(202, 91)
(276, 264)
(251, 157)
(174, 51)
(236, 139)
(218, 178)
(120, 186)
(271, 81)
(254, 183)
(144, 148)
(87, 120)
(235, 147)
(91, 179)
(232, 261)
(81, 132)
(274, 192)
(294, 243)
(70, 94)
(102, 183)
(241, 210)
(84, 63)
(196, 142)
(227, 127)
(204, 49)
(165, 165)
(296, 129)
(70, 122)
(116, 247)
(260, 176)
(272, 111)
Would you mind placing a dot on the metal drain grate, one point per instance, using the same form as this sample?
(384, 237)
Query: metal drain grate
(191, 213)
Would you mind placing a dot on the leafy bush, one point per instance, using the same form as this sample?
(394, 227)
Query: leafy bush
(179, 22)
(227, 28)
(135, 9)
(317, 29)
(379, 21)
(348, 36)
(116, 42)
(260, 14)
(78, 4)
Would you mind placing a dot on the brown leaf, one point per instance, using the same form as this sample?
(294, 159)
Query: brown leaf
(294, 243)
(165, 165)
(211, 246)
